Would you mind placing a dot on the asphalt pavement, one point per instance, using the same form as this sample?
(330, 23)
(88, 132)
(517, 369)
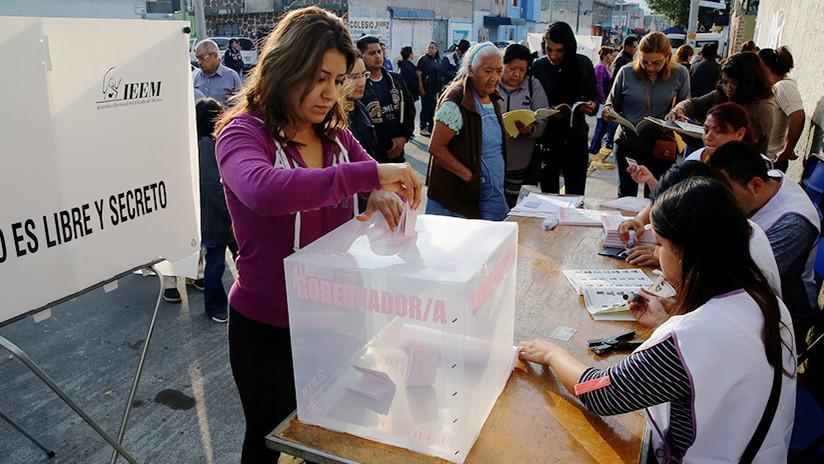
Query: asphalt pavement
(186, 410)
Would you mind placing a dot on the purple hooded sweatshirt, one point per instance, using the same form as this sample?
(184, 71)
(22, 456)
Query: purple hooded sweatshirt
(263, 201)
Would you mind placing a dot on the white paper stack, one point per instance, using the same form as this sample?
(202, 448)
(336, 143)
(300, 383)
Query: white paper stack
(583, 217)
(634, 204)
(613, 240)
(541, 205)
(606, 278)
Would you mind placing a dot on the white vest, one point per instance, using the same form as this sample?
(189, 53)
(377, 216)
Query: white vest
(721, 346)
(762, 253)
(791, 198)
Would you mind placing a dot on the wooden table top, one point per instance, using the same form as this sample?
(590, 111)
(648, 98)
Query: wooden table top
(535, 419)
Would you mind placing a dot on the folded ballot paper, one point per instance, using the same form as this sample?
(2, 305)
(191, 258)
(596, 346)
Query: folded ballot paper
(409, 218)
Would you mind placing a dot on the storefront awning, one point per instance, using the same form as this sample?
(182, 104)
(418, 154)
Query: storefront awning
(410, 13)
(494, 21)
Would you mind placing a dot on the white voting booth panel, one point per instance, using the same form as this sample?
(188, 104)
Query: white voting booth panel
(404, 340)
(99, 164)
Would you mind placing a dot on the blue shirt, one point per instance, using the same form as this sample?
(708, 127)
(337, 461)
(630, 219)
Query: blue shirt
(221, 85)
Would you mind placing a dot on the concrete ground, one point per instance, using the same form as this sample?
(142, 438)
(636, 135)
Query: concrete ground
(187, 409)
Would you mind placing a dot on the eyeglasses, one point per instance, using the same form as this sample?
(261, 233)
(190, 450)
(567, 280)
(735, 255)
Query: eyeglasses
(203, 57)
(354, 77)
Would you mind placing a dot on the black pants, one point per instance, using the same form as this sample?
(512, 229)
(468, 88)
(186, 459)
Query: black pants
(428, 103)
(261, 359)
(626, 186)
(567, 155)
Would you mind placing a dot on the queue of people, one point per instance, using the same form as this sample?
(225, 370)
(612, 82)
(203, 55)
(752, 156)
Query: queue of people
(301, 150)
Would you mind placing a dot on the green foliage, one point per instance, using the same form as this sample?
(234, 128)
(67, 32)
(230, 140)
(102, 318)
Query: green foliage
(676, 11)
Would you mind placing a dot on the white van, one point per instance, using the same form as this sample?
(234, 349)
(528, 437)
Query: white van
(247, 50)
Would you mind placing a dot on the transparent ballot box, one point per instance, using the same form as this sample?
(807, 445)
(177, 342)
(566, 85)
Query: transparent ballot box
(405, 340)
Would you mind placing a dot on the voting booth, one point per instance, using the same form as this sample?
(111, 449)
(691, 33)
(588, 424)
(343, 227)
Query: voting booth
(405, 340)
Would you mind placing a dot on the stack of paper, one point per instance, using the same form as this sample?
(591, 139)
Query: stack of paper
(583, 217)
(541, 205)
(634, 204)
(606, 292)
(613, 240)
(607, 278)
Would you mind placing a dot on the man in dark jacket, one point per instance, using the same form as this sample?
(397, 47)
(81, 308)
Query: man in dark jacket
(388, 102)
(627, 53)
(452, 62)
(704, 74)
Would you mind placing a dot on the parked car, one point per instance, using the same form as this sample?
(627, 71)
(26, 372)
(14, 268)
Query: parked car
(247, 50)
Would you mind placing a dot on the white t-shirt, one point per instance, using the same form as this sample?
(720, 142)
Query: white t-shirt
(787, 102)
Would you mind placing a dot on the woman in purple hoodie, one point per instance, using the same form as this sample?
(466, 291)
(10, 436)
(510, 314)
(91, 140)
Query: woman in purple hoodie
(290, 170)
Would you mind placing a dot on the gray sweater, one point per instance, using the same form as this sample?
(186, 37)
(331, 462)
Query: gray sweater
(628, 98)
(519, 149)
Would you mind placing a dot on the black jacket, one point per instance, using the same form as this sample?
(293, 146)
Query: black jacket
(361, 127)
(409, 73)
(562, 89)
(403, 112)
(704, 77)
(215, 222)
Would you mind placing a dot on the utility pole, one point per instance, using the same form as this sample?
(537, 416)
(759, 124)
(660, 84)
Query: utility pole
(578, 18)
(200, 19)
(693, 21)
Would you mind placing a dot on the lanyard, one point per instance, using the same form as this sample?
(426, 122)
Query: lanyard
(284, 161)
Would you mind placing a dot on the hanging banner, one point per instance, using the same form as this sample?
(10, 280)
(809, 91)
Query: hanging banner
(378, 27)
(99, 160)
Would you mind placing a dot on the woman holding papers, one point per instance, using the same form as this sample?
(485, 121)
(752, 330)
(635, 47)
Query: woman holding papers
(466, 170)
(290, 170)
(726, 122)
(649, 87)
(568, 78)
(718, 352)
(520, 91)
(743, 81)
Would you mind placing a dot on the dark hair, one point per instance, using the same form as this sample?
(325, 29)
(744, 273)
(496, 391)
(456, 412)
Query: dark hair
(207, 111)
(286, 63)
(683, 171)
(559, 32)
(233, 40)
(737, 117)
(517, 52)
(684, 53)
(437, 52)
(717, 263)
(406, 52)
(749, 46)
(779, 61)
(629, 40)
(364, 42)
(709, 50)
(740, 162)
(605, 51)
(463, 45)
(746, 68)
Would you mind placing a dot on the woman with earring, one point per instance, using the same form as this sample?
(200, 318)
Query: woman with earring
(290, 170)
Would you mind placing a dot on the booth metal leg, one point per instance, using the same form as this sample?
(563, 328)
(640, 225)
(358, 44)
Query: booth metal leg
(11, 347)
(20, 429)
(139, 372)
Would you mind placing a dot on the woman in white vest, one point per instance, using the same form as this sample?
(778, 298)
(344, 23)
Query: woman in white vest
(721, 351)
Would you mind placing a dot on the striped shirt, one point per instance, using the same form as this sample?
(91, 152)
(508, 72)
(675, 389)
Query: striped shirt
(648, 377)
